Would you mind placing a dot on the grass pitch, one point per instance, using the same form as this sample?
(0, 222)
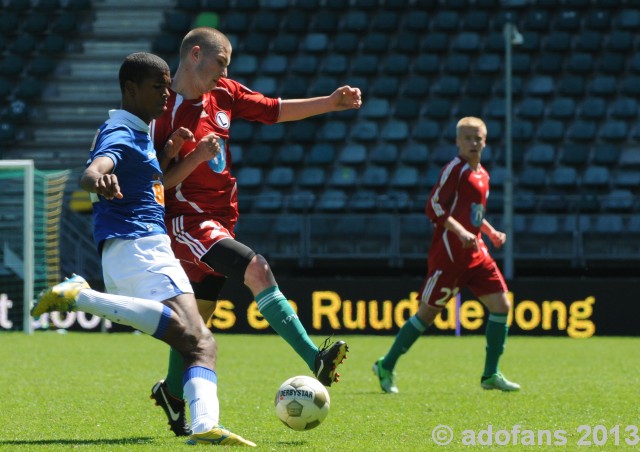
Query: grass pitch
(90, 391)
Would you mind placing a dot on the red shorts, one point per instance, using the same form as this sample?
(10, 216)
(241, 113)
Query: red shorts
(191, 238)
(444, 281)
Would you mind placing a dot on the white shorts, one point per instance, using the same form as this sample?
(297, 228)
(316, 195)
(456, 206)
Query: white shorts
(143, 268)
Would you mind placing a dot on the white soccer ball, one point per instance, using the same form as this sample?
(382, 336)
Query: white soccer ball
(302, 403)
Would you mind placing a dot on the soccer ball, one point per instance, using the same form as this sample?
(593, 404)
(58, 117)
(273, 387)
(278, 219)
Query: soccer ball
(302, 403)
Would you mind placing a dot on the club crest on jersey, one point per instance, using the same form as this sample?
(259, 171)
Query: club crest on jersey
(222, 119)
(477, 214)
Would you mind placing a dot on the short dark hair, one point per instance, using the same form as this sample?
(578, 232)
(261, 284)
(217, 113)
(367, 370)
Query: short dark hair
(140, 66)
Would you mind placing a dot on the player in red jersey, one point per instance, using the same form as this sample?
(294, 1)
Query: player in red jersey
(202, 206)
(458, 257)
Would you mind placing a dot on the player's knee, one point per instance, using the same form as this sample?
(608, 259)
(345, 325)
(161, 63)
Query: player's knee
(258, 275)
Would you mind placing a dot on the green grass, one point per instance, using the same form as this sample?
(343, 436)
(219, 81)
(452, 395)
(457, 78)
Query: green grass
(89, 391)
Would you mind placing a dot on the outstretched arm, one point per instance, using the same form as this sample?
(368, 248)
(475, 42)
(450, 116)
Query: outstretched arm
(343, 98)
(97, 178)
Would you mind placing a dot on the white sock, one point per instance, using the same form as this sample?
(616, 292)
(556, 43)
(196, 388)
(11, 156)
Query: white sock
(201, 394)
(150, 317)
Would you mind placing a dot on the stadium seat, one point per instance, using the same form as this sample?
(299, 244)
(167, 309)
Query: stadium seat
(249, 177)
(546, 225)
(531, 108)
(572, 85)
(415, 234)
(315, 42)
(598, 19)
(562, 108)
(332, 200)
(541, 154)
(207, 19)
(343, 177)
(551, 130)
(29, 88)
(385, 21)
(488, 63)
(426, 130)
(333, 131)
(606, 154)
(558, 41)
(550, 63)
(362, 201)
(522, 130)
(611, 63)
(567, 21)
(533, 177)
(273, 64)
(36, 23)
(446, 20)
(580, 63)
(345, 43)
(620, 41)
(593, 108)
(406, 42)
(268, 201)
(447, 86)
(321, 154)
(11, 66)
(405, 177)
(301, 201)
(624, 108)
(304, 64)
(374, 176)
(257, 44)
(259, 154)
(583, 131)
(574, 154)
(476, 20)
(265, 85)
(280, 176)
(265, 21)
(596, 177)
(619, 200)
(457, 63)
(435, 42)
(303, 131)
(334, 64)
(375, 108)
(614, 131)
(414, 154)
(478, 86)
(468, 107)
(365, 64)
(396, 64)
(540, 85)
(537, 20)
(353, 154)
(631, 85)
(416, 21)
(23, 44)
(426, 64)
(407, 108)
(285, 43)
(564, 177)
(524, 200)
(384, 154)
(290, 154)
(312, 177)
(355, 21)
(603, 85)
(589, 41)
(395, 130)
(627, 178)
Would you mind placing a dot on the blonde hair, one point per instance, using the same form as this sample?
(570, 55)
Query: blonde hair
(209, 39)
(471, 121)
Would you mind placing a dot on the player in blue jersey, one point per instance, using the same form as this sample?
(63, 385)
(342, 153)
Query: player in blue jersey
(147, 288)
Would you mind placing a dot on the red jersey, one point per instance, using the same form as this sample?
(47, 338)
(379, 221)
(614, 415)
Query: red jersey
(462, 194)
(210, 189)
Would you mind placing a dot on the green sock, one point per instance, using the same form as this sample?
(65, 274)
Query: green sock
(174, 374)
(278, 312)
(496, 333)
(408, 334)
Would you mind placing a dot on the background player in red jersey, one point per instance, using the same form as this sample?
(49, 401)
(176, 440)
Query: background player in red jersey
(202, 206)
(459, 258)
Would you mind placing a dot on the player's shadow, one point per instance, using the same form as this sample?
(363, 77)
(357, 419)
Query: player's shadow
(81, 442)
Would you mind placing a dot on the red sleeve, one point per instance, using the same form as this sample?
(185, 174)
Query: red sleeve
(251, 105)
(443, 193)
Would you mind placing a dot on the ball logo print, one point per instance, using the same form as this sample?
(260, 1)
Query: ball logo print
(302, 403)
